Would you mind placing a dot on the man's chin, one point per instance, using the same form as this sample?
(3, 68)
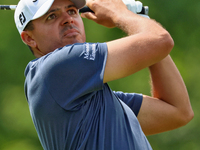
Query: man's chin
(72, 41)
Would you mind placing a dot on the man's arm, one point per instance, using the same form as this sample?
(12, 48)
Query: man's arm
(147, 43)
(169, 107)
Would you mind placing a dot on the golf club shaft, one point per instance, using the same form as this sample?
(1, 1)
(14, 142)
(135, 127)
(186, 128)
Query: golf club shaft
(8, 7)
(144, 11)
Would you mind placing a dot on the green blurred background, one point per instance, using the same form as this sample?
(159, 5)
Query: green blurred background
(180, 18)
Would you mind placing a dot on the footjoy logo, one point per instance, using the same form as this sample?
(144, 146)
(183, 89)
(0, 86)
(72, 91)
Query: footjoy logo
(22, 18)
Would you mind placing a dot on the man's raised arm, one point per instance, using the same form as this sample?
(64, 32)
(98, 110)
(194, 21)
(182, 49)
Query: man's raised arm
(169, 107)
(146, 44)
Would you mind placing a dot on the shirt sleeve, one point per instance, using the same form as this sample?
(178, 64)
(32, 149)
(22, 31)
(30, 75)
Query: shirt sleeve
(74, 72)
(133, 100)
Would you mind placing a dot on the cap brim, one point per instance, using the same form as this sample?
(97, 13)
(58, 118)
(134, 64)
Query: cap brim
(46, 6)
(43, 9)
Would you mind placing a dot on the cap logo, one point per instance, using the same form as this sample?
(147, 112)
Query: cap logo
(22, 18)
(35, 1)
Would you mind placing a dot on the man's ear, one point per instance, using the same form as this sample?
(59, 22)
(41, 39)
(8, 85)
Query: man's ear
(27, 39)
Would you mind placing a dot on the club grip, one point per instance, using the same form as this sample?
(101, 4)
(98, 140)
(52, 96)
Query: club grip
(145, 10)
(85, 9)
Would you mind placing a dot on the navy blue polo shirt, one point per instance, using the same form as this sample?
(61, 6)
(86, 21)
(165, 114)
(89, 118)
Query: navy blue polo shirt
(71, 107)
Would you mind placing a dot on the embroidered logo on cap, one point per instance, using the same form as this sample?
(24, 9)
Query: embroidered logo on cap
(22, 18)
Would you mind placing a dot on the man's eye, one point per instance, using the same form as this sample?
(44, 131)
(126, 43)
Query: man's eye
(52, 16)
(72, 12)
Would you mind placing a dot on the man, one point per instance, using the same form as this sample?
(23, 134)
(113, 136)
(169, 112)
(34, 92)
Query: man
(71, 105)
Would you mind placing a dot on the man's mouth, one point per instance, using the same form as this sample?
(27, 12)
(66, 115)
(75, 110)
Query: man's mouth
(70, 31)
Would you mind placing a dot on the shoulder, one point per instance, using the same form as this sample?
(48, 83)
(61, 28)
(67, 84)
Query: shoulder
(71, 59)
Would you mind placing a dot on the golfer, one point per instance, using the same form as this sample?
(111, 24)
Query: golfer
(70, 102)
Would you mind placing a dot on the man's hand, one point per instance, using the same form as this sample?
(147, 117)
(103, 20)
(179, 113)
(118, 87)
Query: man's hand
(134, 6)
(105, 11)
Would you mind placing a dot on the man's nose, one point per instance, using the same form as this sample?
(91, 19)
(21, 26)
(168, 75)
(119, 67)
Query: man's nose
(67, 19)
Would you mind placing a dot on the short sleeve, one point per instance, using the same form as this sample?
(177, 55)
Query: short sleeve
(73, 73)
(133, 100)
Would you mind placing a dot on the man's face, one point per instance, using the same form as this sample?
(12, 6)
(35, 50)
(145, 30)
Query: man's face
(60, 26)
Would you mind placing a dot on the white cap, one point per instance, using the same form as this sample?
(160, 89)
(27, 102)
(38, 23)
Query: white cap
(28, 10)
